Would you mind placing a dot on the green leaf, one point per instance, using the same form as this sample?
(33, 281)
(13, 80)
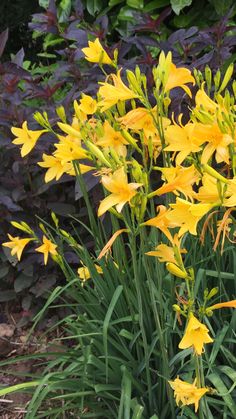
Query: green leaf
(22, 282)
(136, 4)
(94, 6)
(223, 392)
(178, 5)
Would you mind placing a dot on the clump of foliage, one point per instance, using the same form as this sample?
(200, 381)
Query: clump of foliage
(151, 327)
(60, 76)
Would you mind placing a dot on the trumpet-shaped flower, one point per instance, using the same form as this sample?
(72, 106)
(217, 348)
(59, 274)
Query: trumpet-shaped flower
(87, 105)
(17, 245)
(187, 215)
(186, 393)
(25, 137)
(162, 221)
(196, 335)
(121, 191)
(68, 151)
(184, 139)
(47, 248)
(55, 167)
(112, 139)
(84, 272)
(208, 192)
(95, 53)
(218, 143)
(112, 94)
(179, 77)
(229, 304)
(178, 179)
(171, 76)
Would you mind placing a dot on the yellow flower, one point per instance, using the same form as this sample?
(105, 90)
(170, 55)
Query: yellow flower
(162, 221)
(17, 245)
(178, 77)
(230, 304)
(46, 248)
(186, 393)
(179, 179)
(25, 137)
(112, 94)
(67, 151)
(209, 191)
(171, 76)
(88, 105)
(95, 53)
(196, 335)
(121, 191)
(218, 143)
(55, 167)
(186, 215)
(113, 139)
(185, 139)
(85, 274)
(176, 270)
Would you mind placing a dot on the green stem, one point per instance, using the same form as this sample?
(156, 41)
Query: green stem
(141, 320)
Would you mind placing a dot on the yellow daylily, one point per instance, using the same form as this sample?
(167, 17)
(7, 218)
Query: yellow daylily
(178, 179)
(17, 245)
(186, 393)
(209, 191)
(68, 151)
(162, 221)
(95, 53)
(229, 304)
(84, 272)
(187, 215)
(184, 139)
(111, 94)
(196, 335)
(121, 191)
(55, 167)
(87, 105)
(112, 139)
(25, 137)
(47, 248)
(171, 76)
(218, 143)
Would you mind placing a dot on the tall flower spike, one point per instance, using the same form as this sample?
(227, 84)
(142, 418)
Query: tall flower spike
(196, 335)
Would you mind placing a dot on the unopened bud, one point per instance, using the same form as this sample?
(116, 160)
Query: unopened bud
(175, 270)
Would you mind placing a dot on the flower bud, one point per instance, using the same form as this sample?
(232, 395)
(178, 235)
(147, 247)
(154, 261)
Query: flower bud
(175, 270)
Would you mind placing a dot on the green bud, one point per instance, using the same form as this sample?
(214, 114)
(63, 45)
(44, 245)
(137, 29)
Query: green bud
(61, 113)
(217, 78)
(212, 293)
(227, 77)
(55, 219)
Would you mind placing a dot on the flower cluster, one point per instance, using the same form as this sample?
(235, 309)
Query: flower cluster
(126, 139)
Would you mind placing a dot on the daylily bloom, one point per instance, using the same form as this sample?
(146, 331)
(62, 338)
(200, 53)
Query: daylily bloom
(184, 139)
(84, 272)
(208, 192)
(218, 143)
(55, 167)
(67, 151)
(46, 248)
(88, 105)
(121, 191)
(186, 393)
(162, 221)
(112, 139)
(196, 335)
(186, 215)
(95, 53)
(25, 137)
(171, 76)
(17, 245)
(230, 304)
(111, 94)
(178, 179)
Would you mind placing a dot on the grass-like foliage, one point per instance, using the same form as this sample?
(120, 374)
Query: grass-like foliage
(150, 332)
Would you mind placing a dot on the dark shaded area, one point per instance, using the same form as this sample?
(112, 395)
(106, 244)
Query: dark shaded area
(16, 15)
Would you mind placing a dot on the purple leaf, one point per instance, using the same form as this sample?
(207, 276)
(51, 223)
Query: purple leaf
(3, 40)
